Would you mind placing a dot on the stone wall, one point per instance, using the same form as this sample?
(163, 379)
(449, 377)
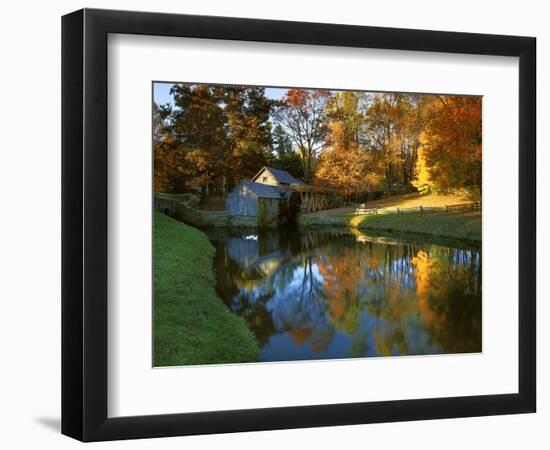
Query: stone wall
(180, 210)
(242, 221)
(200, 218)
(185, 210)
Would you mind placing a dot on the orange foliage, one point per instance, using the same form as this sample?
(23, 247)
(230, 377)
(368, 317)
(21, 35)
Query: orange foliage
(452, 142)
(341, 275)
(299, 336)
(346, 166)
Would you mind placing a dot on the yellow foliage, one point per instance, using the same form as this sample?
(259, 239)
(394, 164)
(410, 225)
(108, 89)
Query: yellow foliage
(422, 179)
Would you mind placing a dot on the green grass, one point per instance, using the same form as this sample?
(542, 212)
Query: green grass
(191, 323)
(457, 225)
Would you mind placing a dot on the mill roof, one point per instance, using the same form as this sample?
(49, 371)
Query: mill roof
(282, 176)
(263, 190)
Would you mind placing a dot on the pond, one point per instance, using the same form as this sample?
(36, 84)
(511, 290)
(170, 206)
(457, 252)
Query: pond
(339, 294)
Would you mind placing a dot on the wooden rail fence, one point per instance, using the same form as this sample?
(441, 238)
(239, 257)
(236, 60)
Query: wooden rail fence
(421, 209)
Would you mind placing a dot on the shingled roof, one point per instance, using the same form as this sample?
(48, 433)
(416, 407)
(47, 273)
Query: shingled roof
(282, 176)
(263, 190)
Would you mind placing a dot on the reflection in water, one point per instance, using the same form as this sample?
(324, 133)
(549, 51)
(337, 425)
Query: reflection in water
(322, 295)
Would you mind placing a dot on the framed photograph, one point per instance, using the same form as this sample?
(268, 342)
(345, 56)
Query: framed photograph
(273, 224)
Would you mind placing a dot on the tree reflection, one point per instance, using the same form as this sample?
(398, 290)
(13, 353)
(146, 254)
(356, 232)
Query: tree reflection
(449, 298)
(382, 297)
(341, 281)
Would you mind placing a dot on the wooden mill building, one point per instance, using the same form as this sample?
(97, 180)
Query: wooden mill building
(250, 199)
(276, 177)
(273, 194)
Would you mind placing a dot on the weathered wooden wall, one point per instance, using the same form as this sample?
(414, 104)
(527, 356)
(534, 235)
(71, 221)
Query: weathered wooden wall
(268, 211)
(241, 202)
(269, 178)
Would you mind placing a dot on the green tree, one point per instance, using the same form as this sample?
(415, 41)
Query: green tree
(284, 155)
(199, 126)
(248, 129)
(282, 144)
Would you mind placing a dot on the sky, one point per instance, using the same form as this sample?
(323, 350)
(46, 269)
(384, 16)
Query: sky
(161, 93)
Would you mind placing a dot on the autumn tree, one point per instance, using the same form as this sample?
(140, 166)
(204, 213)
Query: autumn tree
(220, 134)
(347, 108)
(167, 154)
(212, 136)
(422, 179)
(349, 169)
(199, 127)
(393, 125)
(345, 164)
(452, 142)
(303, 114)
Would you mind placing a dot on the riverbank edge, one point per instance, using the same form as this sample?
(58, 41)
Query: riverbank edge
(200, 218)
(192, 325)
(464, 226)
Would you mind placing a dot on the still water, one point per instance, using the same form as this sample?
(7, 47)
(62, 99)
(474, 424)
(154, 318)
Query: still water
(324, 295)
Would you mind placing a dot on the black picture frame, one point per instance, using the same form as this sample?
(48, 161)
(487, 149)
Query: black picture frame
(84, 224)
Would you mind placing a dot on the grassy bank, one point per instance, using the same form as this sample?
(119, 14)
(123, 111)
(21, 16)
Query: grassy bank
(191, 323)
(457, 225)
